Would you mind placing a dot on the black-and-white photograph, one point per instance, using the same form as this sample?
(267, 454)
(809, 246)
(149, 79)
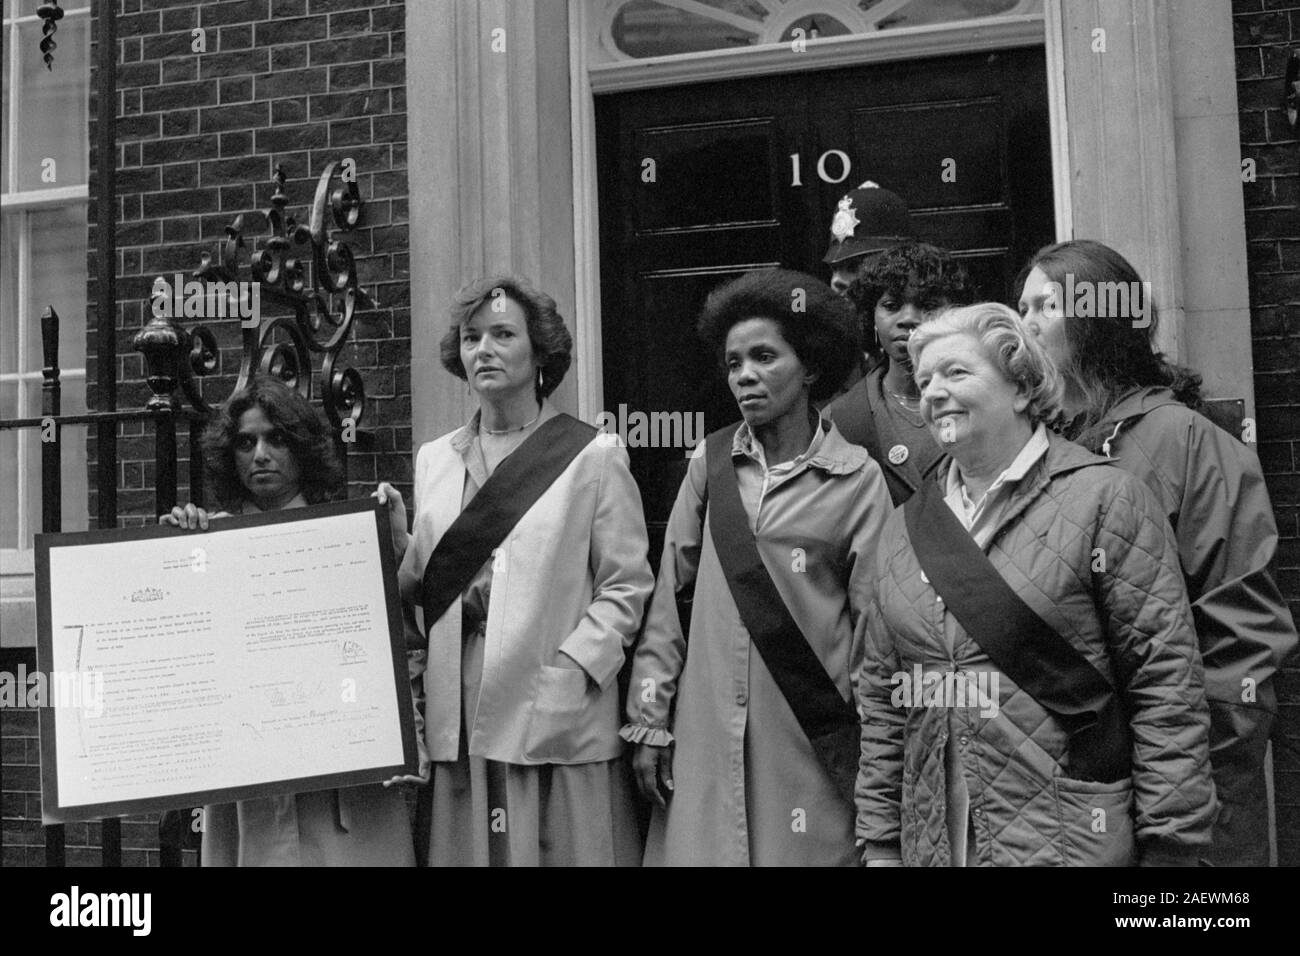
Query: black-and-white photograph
(775, 433)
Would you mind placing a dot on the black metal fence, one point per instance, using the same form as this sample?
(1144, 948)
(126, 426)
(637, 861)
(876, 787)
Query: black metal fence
(316, 296)
(301, 268)
(167, 421)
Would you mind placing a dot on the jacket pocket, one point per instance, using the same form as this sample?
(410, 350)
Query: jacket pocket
(558, 727)
(1096, 821)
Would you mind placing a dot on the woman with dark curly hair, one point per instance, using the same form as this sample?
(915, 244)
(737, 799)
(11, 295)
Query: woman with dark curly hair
(1126, 401)
(747, 742)
(298, 428)
(528, 564)
(267, 450)
(893, 294)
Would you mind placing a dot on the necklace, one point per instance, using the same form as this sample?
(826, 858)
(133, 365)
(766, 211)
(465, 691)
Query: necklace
(908, 408)
(507, 431)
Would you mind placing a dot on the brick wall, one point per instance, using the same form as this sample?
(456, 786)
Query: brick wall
(1265, 31)
(20, 802)
(300, 82)
(24, 843)
(293, 82)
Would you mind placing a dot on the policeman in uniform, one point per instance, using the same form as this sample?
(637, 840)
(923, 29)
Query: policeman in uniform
(867, 219)
(881, 410)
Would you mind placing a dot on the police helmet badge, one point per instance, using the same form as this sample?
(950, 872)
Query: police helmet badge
(845, 221)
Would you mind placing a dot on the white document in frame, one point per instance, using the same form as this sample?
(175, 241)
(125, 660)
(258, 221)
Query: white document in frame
(223, 659)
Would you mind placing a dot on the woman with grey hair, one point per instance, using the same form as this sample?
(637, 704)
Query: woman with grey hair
(1032, 692)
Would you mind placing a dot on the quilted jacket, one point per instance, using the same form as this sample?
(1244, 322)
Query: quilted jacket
(1087, 547)
(1211, 487)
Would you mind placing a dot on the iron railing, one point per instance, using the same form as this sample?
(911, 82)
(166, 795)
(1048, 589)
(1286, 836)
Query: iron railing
(315, 297)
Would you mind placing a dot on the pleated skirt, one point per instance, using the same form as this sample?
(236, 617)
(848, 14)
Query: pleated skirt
(487, 813)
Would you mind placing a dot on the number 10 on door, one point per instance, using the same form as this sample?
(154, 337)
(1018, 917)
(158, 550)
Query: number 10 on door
(845, 165)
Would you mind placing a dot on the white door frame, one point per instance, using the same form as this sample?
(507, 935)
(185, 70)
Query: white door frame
(588, 79)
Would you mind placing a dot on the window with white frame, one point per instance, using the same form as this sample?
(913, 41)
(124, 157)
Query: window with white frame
(44, 162)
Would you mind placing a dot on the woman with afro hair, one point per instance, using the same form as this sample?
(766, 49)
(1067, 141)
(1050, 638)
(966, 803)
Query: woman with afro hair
(733, 776)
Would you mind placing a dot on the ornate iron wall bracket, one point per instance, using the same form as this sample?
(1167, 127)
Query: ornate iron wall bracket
(318, 287)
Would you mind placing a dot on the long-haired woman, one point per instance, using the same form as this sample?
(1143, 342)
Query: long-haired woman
(1124, 399)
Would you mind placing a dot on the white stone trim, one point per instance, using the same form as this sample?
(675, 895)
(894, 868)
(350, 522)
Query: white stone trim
(45, 198)
(972, 36)
(17, 597)
(490, 185)
(588, 357)
(1057, 120)
(1123, 173)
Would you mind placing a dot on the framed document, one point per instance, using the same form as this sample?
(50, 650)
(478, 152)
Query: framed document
(261, 657)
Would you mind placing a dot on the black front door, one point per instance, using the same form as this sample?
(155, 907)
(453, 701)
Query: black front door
(699, 184)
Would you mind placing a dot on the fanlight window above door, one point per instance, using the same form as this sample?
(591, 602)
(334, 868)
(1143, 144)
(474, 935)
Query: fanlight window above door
(640, 29)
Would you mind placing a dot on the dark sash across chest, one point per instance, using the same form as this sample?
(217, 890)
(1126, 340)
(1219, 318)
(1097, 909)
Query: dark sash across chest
(1020, 643)
(514, 487)
(826, 718)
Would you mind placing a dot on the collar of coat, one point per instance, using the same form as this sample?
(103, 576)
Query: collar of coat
(1138, 402)
(1061, 458)
(1131, 407)
(833, 454)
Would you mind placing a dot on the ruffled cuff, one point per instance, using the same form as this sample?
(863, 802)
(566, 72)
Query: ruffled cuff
(644, 734)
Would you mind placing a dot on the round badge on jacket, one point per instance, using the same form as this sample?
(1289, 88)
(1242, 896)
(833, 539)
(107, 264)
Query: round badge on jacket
(898, 454)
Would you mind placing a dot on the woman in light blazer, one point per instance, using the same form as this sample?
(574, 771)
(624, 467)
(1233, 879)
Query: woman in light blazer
(521, 711)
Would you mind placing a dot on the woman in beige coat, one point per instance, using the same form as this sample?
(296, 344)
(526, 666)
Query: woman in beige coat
(521, 698)
(732, 775)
